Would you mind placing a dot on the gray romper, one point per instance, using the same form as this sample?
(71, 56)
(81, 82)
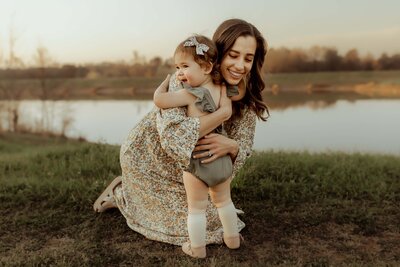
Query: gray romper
(221, 169)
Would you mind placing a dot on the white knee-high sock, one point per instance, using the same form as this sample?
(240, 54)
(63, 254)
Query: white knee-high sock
(227, 215)
(196, 223)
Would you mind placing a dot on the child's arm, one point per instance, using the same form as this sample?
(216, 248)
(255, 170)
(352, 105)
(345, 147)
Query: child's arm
(164, 99)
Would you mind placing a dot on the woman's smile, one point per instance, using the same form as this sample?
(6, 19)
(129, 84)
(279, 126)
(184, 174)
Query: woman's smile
(235, 74)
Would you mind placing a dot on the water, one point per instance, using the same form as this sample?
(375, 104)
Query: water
(360, 126)
(351, 126)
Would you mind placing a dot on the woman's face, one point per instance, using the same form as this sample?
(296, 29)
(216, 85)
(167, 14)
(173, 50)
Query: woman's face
(238, 61)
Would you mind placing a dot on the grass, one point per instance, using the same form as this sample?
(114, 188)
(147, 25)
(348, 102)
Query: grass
(301, 209)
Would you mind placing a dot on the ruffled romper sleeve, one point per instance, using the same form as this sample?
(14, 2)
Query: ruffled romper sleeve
(178, 133)
(204, 101)
(242, 131)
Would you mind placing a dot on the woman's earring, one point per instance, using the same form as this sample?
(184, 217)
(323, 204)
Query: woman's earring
(246, 78)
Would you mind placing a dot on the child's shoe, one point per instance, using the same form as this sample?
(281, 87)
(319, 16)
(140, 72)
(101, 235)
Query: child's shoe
(233, 242)
(199, 252)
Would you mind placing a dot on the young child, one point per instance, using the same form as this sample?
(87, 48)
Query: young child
(195, 61)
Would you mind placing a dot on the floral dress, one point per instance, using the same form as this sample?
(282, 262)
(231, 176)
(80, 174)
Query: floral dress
(152, 196)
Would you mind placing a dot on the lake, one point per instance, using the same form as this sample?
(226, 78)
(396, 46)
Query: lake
(363, 125)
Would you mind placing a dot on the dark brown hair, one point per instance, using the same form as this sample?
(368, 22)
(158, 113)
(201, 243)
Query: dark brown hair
(209, 57)
(225, 37)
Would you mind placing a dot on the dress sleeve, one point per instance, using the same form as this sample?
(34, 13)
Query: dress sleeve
(178, 133)
(242, 131)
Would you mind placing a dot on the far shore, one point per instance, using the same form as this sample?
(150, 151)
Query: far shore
(379, 84)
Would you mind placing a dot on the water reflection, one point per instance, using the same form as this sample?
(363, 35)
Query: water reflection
(363, 125)
(314, 101)
(313, 123)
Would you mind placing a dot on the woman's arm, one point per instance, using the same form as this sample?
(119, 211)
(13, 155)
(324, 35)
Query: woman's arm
(218, 145)
(179, 133)
(242, 131)
(238, 145)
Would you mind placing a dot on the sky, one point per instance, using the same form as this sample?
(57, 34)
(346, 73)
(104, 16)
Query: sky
(85, 31)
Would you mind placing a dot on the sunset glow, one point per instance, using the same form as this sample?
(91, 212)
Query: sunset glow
(95, 31)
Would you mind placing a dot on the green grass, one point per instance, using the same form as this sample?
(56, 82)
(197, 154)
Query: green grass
(301, 209)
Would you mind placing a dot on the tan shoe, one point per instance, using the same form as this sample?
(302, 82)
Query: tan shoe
(106, 200)
(199, 252)
(233, 242)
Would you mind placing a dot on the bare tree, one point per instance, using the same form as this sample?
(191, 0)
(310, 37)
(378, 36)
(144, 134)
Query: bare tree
(352, 60)
(138, 59)
(1, 54)
(42, 60)
(9, 88)
(369, 62)
(13, 60)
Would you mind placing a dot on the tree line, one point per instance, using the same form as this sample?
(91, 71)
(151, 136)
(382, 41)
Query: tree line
(278, 60)
(50, 69)
(319, 58)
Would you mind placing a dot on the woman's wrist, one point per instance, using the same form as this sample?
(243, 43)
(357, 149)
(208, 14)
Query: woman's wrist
(234, 151)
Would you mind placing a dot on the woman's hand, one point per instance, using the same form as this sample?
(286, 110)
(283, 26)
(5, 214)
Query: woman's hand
(217, 145)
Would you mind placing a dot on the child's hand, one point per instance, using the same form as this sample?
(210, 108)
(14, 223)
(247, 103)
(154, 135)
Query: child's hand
(164, 85)
(161, 89)
(225, 103)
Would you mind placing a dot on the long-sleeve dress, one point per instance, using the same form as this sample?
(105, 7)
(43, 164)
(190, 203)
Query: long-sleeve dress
(152, 196)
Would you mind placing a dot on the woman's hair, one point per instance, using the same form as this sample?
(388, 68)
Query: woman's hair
(225, 37)
(206, 59)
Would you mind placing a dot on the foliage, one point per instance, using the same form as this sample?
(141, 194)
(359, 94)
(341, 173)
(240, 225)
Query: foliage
(317, 58)
(278, 60)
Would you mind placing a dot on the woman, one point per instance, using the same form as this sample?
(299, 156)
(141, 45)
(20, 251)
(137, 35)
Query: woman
(150, 193)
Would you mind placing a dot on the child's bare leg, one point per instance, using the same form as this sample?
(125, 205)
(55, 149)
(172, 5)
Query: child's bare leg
(197, 198)
(221, 197)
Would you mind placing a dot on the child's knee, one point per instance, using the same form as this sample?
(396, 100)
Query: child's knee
(197, 206)
(220, 200)
(223, 203)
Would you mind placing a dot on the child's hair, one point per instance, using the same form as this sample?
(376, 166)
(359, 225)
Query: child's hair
(208, 56)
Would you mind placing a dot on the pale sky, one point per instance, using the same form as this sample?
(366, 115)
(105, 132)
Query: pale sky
(82, 31)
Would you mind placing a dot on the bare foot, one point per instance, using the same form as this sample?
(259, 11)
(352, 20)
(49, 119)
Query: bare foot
(106, 200)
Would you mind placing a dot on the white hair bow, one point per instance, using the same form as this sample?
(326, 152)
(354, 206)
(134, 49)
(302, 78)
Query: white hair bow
(200, 48)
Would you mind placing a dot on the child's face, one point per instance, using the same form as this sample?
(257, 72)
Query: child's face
(189, 71)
